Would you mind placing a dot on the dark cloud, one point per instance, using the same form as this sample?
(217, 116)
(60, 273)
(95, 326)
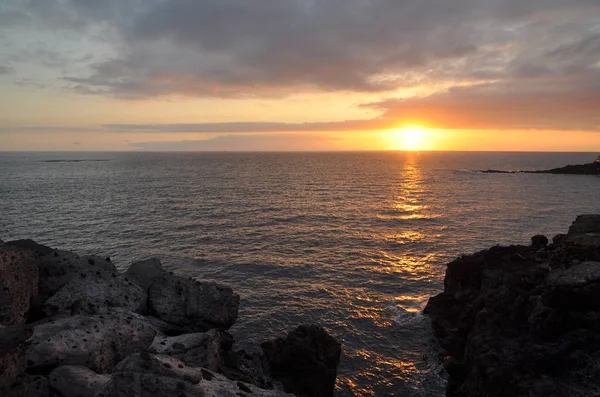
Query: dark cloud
(6, 69)
(511, 63)
(268, 47)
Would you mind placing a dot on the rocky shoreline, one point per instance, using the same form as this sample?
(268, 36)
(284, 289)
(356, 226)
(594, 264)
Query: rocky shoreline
(582, 169)
(73, 325)
(524, 320)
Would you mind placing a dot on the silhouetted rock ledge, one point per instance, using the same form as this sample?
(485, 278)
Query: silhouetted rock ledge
(524, 320)
(73, 325)
(583, 169)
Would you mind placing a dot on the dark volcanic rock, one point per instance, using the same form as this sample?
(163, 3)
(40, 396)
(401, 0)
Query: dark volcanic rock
(513, 326)
(305, 362)
(539, 242)
(583, 169)
(94, 332)
(12, 361)
(195, 350)
(585, 231)
(193, 305)
(97, 342)
(76, 380)
(145, 272)
(97, 292)
(18, 284)
(58, 268)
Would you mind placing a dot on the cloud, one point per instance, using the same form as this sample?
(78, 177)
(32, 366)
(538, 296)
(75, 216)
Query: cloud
(248, 48)
(6, 70)
(246, 127)
(271, 142)
(509, 63)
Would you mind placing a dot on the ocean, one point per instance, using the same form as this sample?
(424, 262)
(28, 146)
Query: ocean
(354, 241)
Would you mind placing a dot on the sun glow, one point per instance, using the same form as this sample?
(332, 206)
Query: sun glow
(411, 138)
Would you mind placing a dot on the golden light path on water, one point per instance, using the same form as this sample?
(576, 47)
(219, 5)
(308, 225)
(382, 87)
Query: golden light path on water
(407, 202)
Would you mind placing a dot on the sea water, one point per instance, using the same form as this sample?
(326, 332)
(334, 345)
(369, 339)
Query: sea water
(356, 242)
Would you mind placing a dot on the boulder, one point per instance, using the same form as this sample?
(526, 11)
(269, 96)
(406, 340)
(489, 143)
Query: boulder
(95, 293)
(58, 268)
(305, 362)
(539, 242)
(18, 284)
(148, 375)
(29, 386)
(76, 380)
(30, 246)
(195, 350)
(97, 342)
(145, 272)
(585, 231)
(12, 362)
(193, 305)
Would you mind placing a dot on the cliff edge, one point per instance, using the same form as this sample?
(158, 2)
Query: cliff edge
(524, 320)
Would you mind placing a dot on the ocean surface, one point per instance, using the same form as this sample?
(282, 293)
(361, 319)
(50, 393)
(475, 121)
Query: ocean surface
(356, 242)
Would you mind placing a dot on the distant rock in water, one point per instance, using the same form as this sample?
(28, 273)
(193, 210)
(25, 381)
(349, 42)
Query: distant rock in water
(524, 320)
(72, 325)
(583, 169)
(71, 161)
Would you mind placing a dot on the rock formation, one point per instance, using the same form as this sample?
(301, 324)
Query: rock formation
(72, 325)
(524, 320)
(581, 169)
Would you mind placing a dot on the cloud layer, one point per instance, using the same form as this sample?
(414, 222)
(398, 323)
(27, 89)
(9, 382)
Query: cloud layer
(508, 63)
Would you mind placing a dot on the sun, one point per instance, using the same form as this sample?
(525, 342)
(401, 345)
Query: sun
(411, 137)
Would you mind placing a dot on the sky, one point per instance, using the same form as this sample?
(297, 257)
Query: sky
(183, 75)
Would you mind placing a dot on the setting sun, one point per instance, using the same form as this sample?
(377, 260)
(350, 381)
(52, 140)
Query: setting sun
(411, 138)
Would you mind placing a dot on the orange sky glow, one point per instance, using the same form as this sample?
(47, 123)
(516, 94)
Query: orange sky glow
(301, 76)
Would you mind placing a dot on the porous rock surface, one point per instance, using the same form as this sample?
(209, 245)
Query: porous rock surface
(18, 284)
(197, 306)
(523, 320)
(91, 332)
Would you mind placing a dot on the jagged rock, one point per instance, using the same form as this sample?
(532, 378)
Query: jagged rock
(147, 375)
(192, 305)
(76, 380)
(585, 231)
(145, 272)
(18, 284)
(513, 327)
(12, 362)
(305, 362)
(97, 342)
(579, 274)
(97, 292)
(195, 350)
